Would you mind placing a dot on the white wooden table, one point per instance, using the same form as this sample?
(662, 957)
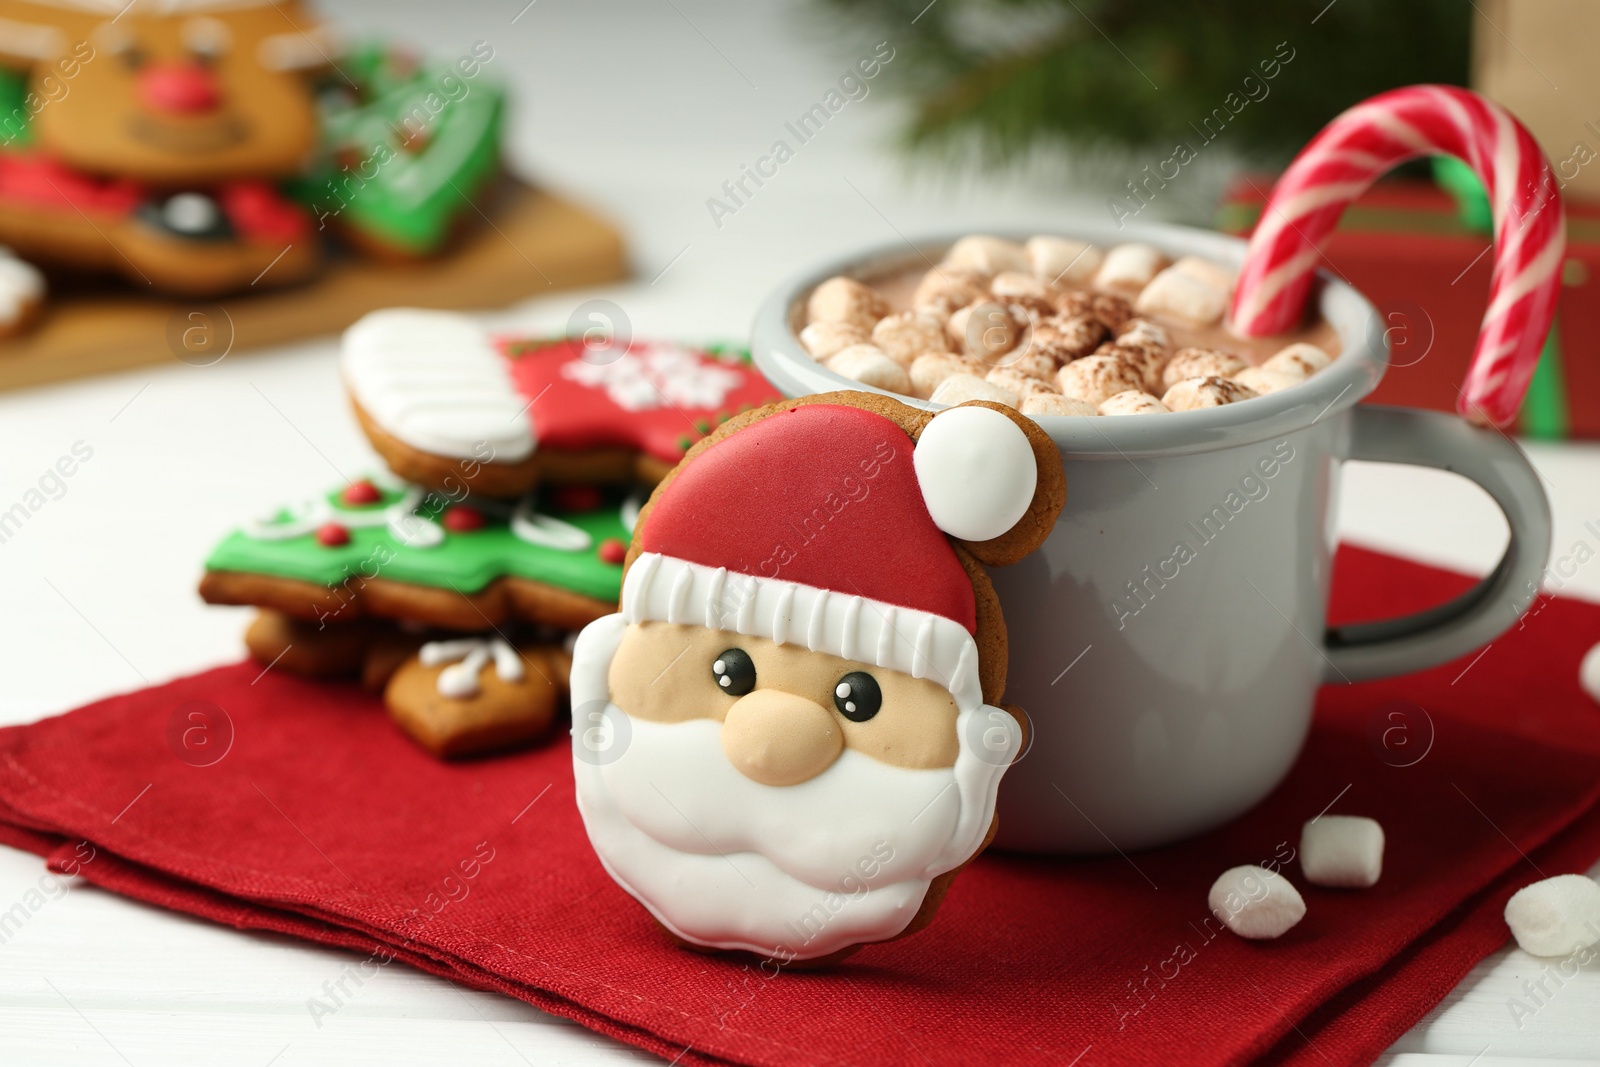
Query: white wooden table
(645, 109)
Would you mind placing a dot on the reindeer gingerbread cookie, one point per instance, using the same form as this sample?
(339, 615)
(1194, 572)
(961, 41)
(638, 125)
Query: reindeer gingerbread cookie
(201, 147)
(789, 739)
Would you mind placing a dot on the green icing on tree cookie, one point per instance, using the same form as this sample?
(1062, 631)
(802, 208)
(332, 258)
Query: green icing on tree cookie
(466, 560)
(404, 148)
(16, 111)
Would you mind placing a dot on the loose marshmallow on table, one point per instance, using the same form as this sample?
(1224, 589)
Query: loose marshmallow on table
(1555, 916)
(986, 255)
(846, 300)
(1129, 266)
(1182, 296)
(871, 366)
(1342, 850)
(824, 339)
(1589, 673)
(960, 388)
(1255, 903)
(1059, 260)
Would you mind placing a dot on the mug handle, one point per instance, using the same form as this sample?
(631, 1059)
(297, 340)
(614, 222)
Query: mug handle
(1366, 650)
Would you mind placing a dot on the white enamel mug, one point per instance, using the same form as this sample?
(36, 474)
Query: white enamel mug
(1168, 639)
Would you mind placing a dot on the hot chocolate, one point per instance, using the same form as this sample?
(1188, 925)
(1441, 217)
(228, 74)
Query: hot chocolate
(1056, 326)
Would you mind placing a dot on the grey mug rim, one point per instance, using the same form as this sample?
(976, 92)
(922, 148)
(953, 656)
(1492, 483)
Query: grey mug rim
(1354, 373)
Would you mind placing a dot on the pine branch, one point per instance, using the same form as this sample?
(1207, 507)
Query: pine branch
(1002, 77)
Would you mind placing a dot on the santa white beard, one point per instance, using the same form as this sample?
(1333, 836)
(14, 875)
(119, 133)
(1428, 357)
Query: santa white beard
(792, 872)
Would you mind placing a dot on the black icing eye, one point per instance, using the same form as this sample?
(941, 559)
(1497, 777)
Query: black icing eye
(734, 671)
(857, 696)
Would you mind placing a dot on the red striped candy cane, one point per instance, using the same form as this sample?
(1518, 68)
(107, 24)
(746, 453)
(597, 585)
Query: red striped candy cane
(1350, 154)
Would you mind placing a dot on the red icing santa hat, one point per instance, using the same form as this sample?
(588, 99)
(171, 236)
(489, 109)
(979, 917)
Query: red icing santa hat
(825, 526)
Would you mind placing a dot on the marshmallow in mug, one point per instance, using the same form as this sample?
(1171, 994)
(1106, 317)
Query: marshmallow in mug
(825, 339)
(1130, 266)
(1058, 259)
(1132, 402)
(1182, 295)
(870, 365)
(960, 388)
(1037, 310)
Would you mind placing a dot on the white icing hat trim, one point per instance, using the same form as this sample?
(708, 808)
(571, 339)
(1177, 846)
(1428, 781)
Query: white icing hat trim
(977, 472)
(432, 380)
(666, 589)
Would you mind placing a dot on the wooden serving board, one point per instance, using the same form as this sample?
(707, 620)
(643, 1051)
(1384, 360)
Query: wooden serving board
(533, 243)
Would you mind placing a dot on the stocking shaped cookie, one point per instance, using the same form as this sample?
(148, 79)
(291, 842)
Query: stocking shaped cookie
(788, 741)
(445, 403)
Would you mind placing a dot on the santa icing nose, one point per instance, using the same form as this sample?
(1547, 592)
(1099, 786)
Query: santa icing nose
(778, 738)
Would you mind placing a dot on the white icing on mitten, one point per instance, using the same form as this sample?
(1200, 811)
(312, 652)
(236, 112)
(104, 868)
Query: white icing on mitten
(434, 380)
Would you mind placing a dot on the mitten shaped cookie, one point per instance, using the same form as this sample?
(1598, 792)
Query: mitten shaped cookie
(788, 741)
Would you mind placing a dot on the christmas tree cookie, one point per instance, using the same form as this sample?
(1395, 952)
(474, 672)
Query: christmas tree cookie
(390, 550)
(789, 739)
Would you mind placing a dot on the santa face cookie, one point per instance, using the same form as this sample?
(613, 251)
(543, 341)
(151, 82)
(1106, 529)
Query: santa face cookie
(787, 740)
(442, 400)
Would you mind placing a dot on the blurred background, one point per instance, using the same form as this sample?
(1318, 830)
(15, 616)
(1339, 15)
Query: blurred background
(983, 114)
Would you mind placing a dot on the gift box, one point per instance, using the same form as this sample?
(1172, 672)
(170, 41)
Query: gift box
(1420, 249)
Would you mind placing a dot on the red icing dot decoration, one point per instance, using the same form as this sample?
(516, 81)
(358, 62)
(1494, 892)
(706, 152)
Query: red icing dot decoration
(612, 550)
(361, 492)
(577, 498)
(332, 535)
(463, 519)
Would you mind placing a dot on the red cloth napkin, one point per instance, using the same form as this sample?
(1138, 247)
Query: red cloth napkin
(323, 822)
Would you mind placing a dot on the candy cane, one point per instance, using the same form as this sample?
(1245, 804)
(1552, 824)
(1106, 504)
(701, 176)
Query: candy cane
(1356, 148)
